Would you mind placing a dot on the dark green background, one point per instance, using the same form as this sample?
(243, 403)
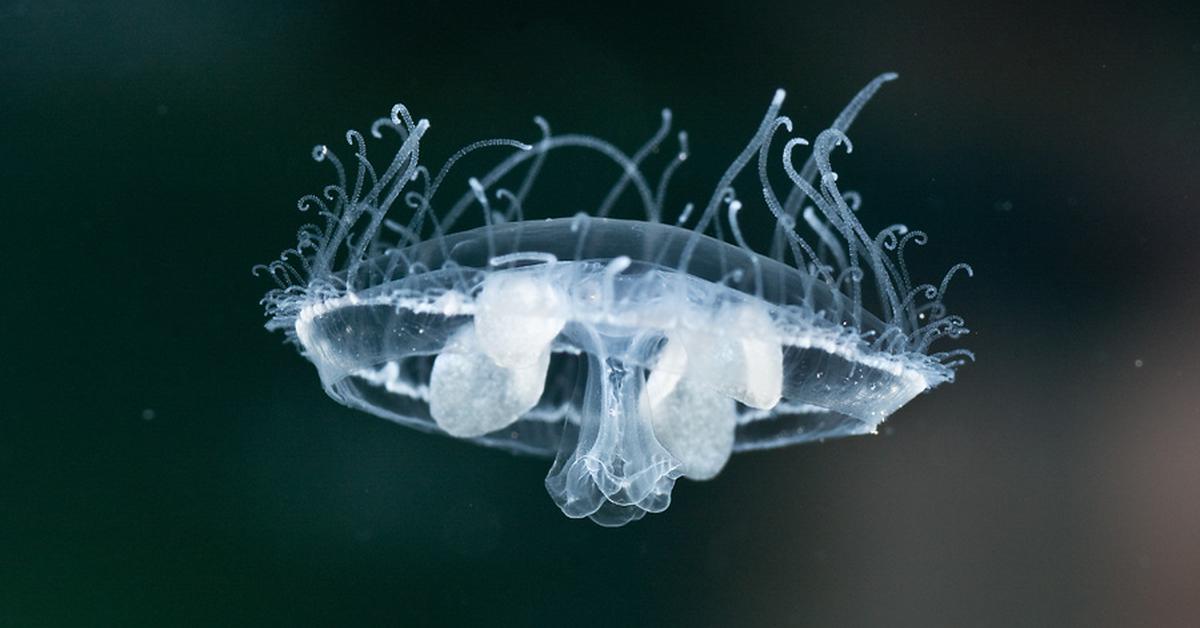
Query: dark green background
(165, 461)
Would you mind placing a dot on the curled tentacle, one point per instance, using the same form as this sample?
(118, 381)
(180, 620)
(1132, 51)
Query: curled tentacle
(917, 237)
(355, 139)
(536, 167)
(514, 211)
(400, 116)
(794, 240)
(321, 152)
(950, 275)
(888, 237)
(929, 290)
(336, 193)
(853, 199)
(415, 200)
(308, 200)
(950, 326)
(380, 123)
(853, 273)
(880, 267)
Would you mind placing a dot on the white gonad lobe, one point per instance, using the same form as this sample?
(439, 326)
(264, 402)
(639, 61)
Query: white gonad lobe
(698, 376)
(470, 395)
(517, 315)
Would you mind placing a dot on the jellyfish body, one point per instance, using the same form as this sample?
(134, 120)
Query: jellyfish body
(634, 352)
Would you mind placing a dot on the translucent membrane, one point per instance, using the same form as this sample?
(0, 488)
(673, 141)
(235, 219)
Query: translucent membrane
(657, 373)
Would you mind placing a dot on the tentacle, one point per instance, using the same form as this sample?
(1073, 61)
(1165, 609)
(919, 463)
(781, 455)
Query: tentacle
(615, 267)
(734, 207)
(826, 141)
(665, 178)
(581, 222)
(652, 213)
(514, 211)
(581, 141)
(355, 139)
(481, 197)
(419, 202)
(853, 199)
(306, 201)
(321, 152)
(685, 214)
(846, 118)
(466, 150)
(917, 237)
(387, 122)
(764, 129)
(782, 220)
(826, 236)
(536, 166)
(941, 293)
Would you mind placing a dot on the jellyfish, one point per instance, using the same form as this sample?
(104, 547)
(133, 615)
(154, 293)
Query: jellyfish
(631, 351)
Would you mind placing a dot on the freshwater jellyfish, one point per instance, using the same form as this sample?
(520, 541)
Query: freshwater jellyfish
(632, 352)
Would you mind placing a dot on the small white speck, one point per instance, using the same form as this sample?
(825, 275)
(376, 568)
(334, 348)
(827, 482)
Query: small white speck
(148, 414)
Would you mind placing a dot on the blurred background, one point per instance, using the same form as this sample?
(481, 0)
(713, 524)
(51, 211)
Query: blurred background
(165, 461)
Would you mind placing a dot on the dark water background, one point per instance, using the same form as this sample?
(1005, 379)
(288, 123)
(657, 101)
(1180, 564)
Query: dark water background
(165, 461)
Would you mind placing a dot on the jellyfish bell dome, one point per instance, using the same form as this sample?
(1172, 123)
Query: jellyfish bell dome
(633, 352)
